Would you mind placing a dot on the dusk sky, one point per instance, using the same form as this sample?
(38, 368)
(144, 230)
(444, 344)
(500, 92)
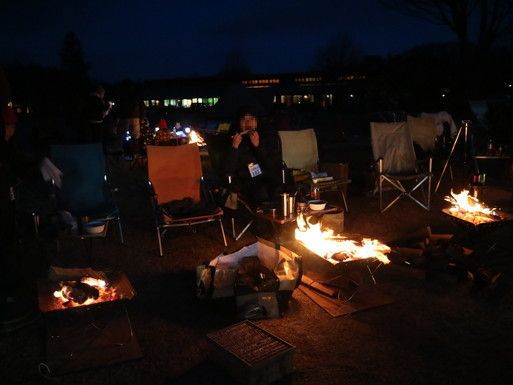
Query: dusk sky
(164, 39)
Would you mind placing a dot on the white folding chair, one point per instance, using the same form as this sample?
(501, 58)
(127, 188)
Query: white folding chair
(393, 150)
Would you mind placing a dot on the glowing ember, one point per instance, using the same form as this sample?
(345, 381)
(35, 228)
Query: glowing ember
(468, 208)
(84, 292)
(194, 137)
(337, 248)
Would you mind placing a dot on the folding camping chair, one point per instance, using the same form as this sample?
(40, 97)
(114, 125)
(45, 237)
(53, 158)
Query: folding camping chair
(424, 132)
(299, 151)
(85, 191)
(392, 146)
(235, 206)
(174, 174)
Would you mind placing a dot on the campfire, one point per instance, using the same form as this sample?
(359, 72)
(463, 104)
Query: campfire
(83, 292)
(337, 248)
(194, 137)
(469, 209)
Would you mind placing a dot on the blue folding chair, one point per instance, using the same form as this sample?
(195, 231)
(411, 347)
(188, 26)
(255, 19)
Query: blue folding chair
(85, 191)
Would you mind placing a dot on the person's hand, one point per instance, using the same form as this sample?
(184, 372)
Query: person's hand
(255, 138)
(236, 139)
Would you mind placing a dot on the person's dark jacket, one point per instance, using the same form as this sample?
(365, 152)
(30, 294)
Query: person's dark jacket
(239, 159)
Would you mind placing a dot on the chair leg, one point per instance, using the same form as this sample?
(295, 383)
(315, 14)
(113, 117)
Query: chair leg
(160, 241)
(244, 230)
(121, 231)
(344, 200)
(35, 218)
(429, 194)
(222, 232)
(233, 228)
(380, 190)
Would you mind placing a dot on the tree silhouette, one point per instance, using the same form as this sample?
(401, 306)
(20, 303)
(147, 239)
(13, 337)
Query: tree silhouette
(495, 18)
(235, 64)
(339, 54)
(72, 56)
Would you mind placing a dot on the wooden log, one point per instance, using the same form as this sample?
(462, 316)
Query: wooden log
(318, 286)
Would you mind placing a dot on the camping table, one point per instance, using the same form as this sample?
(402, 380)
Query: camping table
(504, 161)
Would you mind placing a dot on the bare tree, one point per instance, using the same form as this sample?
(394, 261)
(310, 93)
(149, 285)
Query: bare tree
(235, 64)
(72, 55)
(495, 17)
(339, 54)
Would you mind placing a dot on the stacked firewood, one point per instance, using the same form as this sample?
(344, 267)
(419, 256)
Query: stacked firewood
(440, 258)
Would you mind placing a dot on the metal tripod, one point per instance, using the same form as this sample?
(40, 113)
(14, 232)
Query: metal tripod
(465, 130)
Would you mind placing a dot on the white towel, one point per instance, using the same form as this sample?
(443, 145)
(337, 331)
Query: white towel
(50, 172)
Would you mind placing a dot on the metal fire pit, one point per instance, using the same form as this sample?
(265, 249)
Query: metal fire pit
(46, 287)
(251, 354)
(343, 280)
(506, 219)
(86, 336)
(320, 269)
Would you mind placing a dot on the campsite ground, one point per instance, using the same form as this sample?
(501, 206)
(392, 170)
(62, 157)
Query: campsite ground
(436, 331)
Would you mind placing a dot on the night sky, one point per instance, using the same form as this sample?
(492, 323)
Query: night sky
(164, 39)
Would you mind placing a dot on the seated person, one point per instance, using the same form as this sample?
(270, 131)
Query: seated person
(253, 171)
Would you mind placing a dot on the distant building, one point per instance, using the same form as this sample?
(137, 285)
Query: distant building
(285, 89)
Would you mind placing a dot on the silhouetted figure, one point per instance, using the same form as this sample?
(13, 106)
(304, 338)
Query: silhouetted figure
(96, 109)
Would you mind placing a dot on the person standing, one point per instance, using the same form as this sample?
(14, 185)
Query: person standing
(96, 111)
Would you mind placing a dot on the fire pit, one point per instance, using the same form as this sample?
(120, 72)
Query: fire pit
(87, 323)
(336, 248)
(72, 288)
(470, 212)
(338, 267)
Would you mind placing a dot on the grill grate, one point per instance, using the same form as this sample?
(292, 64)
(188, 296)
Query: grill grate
(249, 343)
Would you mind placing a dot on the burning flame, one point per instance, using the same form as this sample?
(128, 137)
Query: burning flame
(65, 295)
(468, 208)
(194, 137)
(327, 245)
(94, 282)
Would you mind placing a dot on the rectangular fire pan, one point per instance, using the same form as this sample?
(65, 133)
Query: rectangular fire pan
(46, 287)
(319, 269)
(505, 219)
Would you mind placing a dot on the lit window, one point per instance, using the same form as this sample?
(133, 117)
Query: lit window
(147, 103)
(200, 100)
(172, 102)
(166, 102)
(194, 100)
(186, 103)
